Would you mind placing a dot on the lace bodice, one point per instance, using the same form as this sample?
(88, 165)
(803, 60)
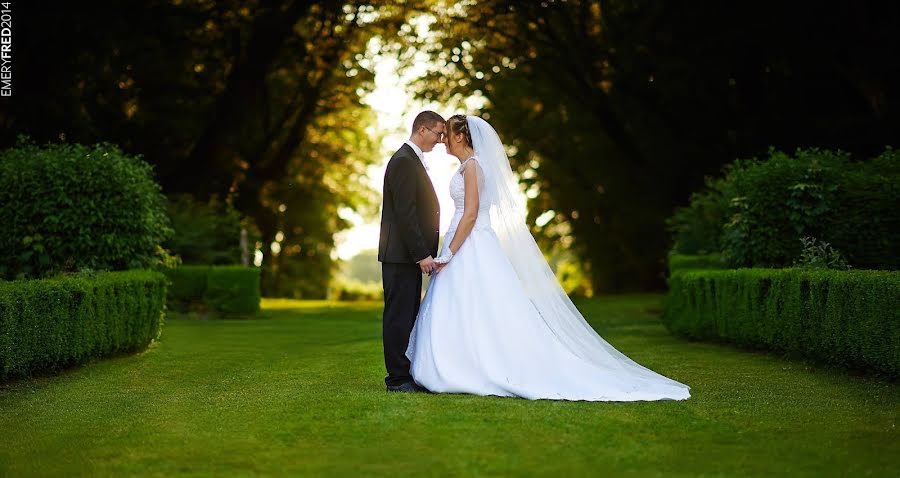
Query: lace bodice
(458, 193)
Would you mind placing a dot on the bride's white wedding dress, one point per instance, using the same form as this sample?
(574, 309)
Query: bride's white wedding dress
(491, 323)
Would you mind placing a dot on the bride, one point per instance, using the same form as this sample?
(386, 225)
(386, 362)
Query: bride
(494, 320)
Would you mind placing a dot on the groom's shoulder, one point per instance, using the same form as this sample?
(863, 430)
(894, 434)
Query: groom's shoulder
(402, 155)
(404, 151)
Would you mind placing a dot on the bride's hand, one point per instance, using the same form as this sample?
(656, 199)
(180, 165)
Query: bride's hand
(444, 258)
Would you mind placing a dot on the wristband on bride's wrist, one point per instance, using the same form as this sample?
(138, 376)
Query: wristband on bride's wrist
(444, 258)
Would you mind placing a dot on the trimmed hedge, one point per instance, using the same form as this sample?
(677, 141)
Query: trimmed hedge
(844, 318)
(49, 324)
(187, 284)
(227, 290)
(233, 290)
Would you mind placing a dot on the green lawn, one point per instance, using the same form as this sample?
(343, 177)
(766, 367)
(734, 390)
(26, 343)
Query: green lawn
(300, 392)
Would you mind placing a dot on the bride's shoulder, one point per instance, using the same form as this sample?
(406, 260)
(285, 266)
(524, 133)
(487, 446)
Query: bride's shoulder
(466, 163)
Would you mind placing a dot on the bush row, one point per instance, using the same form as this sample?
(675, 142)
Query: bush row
(229, 291)
(50, 324)
(845, 318)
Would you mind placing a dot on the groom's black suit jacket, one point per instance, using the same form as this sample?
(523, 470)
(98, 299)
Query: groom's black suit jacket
(410, 215)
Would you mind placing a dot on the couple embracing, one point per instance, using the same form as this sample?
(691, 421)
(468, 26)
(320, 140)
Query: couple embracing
(494, 320)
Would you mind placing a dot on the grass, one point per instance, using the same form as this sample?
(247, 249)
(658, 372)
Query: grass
(300, 392)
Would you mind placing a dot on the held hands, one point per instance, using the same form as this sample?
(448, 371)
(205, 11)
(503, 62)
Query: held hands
(433, 266)
(427, 265)
(443, 260)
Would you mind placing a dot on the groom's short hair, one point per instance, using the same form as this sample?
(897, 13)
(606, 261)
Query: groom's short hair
(426, 119)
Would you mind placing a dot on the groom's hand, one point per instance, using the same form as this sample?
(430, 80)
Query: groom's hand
(427, 265)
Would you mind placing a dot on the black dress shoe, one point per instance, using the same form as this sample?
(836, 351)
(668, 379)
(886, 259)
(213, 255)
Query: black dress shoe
(420, 388)
(408, 387)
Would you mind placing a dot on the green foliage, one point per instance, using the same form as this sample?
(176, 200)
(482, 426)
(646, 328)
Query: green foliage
(187, 285)
(363, 267)
(774, 202)
(277, 127)
(49, 324)
(233, 290)
(697, 227)
(226, 291)
(358, 278)
(615, 111)
(845, 318)
(573, 279)
(351, 289)
(759, 210)
(820, 255)
(206, 233)
(681, 262)
(865, 225)
(332, 175)
(68, 207)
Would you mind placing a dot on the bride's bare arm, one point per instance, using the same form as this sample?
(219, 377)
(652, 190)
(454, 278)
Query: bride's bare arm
(470, 208)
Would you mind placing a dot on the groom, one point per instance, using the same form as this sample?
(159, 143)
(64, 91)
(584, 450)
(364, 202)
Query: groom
(407, 245)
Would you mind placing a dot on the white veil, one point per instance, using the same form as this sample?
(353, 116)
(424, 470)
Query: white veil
(507, 211)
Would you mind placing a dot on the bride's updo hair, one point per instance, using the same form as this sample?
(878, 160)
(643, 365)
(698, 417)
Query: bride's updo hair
(459, 124)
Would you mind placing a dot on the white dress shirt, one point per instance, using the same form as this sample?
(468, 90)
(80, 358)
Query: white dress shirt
(421, 156)
(418, 151)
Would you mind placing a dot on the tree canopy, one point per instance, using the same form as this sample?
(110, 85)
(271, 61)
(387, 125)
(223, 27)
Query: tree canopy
(257, 103)
(614, 111)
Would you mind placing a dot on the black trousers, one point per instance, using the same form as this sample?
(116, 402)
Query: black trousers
(402, 296)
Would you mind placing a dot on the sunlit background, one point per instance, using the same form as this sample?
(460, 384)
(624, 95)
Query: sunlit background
(395, 110)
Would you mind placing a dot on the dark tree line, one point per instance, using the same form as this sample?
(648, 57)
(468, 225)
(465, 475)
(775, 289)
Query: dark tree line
(615, 110)
(619, 108)
(254, 102)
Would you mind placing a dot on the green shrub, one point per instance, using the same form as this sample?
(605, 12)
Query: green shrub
(820, 255)
(187, 285)
(865, 225)
(50, 324)
(350, 289)
(206, 233)
(758, 212)
(697, 228)
(774, 202)
(851, 205)
(845, 318)
(68, 207)
(233, 290)
(228, 291)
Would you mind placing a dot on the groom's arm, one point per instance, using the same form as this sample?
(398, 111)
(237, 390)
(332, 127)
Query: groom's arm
(404, 182)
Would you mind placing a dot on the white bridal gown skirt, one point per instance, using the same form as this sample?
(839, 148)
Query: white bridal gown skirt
(478, 333)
